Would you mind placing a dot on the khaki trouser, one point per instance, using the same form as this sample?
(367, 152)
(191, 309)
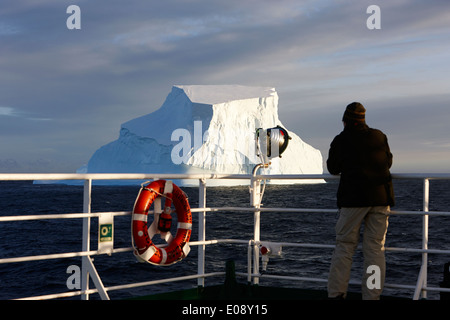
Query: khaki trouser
(347, 238)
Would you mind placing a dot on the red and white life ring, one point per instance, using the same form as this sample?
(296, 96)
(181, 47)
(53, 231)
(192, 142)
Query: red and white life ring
(177, 247)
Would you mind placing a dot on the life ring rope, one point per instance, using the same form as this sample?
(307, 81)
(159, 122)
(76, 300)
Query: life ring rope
(177, 247)
(166, 192)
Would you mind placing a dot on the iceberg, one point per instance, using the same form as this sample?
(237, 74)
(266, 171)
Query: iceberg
(205, 129)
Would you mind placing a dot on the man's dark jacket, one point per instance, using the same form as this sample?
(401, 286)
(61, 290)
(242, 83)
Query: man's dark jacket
(363, 158)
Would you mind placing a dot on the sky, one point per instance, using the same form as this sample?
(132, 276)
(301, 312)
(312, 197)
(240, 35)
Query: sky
(65, 92)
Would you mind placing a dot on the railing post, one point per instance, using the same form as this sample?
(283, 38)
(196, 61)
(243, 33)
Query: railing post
(86, 238)
(87, 267)
(426, 199)
(256, 202)
(201, 231)
(423, 274)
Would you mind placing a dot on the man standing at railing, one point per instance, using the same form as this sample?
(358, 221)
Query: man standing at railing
(361, 155)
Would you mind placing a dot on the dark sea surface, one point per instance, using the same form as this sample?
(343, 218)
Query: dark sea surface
(25, 238)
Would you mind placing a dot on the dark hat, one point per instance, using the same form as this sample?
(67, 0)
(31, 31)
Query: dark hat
(355, 112)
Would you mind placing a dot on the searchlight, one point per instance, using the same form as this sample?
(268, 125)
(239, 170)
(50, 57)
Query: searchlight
(271, 143)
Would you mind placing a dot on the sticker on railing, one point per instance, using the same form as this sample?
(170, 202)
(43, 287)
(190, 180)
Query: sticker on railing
(105, 233)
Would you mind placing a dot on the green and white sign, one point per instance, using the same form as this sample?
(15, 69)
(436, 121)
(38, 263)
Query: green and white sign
(105, 233)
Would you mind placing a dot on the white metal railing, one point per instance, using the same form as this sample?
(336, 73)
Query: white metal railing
(253, 273)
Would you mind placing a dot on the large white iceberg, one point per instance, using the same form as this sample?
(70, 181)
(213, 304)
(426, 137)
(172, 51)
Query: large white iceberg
(204, 129)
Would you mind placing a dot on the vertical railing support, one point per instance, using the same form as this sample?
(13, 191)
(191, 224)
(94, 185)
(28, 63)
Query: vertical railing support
(426, 201)
(201, 231)
(87, 267)
(86, 238)
(257, 239)
(423, 274)
(255, 191)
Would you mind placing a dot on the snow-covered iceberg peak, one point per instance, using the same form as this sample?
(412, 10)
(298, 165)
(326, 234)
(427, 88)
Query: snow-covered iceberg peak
(204, 129)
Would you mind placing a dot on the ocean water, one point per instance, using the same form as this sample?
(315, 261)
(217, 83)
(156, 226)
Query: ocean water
(23, 279)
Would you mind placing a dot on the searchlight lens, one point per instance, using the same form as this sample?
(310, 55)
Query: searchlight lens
(272, 142)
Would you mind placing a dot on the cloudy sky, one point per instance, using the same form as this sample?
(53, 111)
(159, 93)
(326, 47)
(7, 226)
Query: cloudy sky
(64, 93)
